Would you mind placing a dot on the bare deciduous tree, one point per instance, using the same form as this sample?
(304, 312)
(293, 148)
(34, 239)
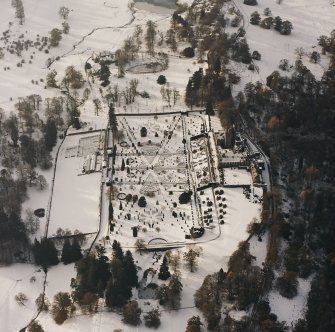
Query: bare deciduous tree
(191, 256)
(64, 12)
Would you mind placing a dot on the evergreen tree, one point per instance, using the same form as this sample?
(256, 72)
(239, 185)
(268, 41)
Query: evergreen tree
(110, 211)
(144, 132)
(188, 52)
(66, 252)
(142, 202)
(11, 126)
(50, 134)
(164, 272)
(76, 251)
(45, 253)
(93, 275)
(189, 95)
(217, 65)
(28, 150)
(104, 73)
(185, 197)
(209, 108)
(118, 290)
(174, 292)
(117, 250)
(130, 269)
(161, 79)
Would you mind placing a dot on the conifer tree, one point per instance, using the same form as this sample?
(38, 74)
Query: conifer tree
(174, 292)
(130, 269)
(117, 250)
(142, 202)
(164, 272)
(66, 252)
(118, 292)
(110, 211)
(76, 251)
(45, 253)
(50, 135)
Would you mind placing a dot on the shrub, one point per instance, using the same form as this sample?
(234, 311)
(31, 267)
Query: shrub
(256, 55)
(286, 28)
(161, 79)
(185, 197)
(266, 23)
(144, 132)
(142, 202)
(267, 12)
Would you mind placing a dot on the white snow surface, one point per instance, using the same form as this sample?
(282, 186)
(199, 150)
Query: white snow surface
(290, 310)
(101, 25)
(310, 19)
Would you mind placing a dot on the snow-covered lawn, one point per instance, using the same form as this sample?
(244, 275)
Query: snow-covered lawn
(290, 310)
(310, 20)
(19, 278)
(100, 25)
(75, 203)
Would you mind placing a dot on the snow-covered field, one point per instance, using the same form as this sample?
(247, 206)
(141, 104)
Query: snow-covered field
(75, 203)
(101, 25)
(310, 19)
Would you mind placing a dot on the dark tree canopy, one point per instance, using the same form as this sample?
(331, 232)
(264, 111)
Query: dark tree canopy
(142, 202)
(188, 52)
(50, 134)
(45, 253)
(164, 272)
(185, 197)
(161, 79)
